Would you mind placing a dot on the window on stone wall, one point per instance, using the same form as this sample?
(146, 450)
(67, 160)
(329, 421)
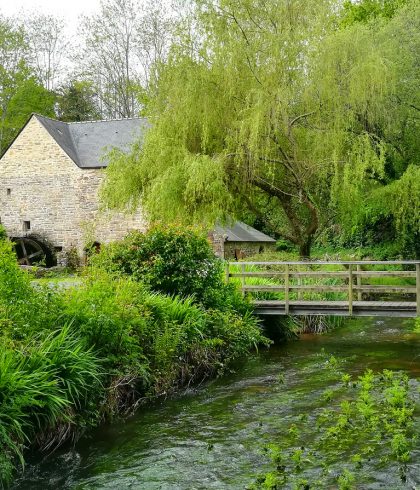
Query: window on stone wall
(26, 225)
(9, 191)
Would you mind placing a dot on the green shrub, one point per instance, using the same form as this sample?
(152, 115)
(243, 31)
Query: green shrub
(23, 308)
(109, 313)
(151, 336)
(169, 260)
(3, 234)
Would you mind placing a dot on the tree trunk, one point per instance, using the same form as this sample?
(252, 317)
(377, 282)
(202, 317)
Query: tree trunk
(305, 249)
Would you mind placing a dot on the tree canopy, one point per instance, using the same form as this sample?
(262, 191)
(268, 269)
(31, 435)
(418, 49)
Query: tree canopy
(20, 91)
(282, 110)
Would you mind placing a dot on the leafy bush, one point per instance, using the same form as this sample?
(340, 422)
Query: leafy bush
(169, 260)
(3, 234)
(23, 308)
(150, 336)
(109, 314)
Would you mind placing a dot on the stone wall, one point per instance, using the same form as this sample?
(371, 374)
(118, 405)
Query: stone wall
(240, 250)
(40, 184)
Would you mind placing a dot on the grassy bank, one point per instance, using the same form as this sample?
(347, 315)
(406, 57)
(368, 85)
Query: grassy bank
(71, 358)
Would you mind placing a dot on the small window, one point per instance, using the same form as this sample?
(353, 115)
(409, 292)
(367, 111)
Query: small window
(58, 249)
(9, 191)
(26, 225)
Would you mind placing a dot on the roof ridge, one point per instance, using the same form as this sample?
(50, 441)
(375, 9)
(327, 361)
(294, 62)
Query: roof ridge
(108, 120)
(49, 118)
(90, 121)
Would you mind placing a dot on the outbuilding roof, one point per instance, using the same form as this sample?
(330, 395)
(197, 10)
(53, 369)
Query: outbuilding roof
(86, 143)
(241, 232)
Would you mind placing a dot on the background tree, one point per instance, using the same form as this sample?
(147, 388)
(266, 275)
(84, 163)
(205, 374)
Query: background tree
(48, 46)
(76, 101)
(30, 96)
(120, 45)
(20, 92)
(368, 10)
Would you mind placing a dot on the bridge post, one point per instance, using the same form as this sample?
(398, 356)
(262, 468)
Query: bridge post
(243, 278)
(359, 283)
(286, 289)
(350, 289)
(418, 288)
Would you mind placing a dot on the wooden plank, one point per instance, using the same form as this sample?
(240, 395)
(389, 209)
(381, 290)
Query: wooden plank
(341, 289)
(324, 287)
(350, 290)
(418, 288)
(243, 267)
(286, 286)
(263, 288)
(292, 274)
(257, 274)
(384, 273)
(386, 289)
(405, 274)
(336, 262)
(343, 304)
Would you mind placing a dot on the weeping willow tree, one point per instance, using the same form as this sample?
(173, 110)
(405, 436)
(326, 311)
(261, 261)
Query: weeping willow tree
(230, 119)
(370, 82)
(270, 107)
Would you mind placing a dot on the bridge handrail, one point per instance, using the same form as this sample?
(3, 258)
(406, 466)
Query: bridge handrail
(350, 274)
(333, 262)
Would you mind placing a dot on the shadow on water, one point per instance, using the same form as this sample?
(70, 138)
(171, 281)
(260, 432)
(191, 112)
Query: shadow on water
(211, 437)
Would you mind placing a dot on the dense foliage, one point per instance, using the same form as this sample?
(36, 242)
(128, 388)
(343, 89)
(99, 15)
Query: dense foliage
(172, 260)
(300, 114)
(70, 358)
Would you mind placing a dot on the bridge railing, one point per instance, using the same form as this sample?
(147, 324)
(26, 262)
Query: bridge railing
(339, 281)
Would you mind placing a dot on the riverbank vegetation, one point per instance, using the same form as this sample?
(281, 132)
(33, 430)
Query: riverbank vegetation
(71, 358)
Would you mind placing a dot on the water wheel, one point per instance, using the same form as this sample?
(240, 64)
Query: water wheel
(29, 251)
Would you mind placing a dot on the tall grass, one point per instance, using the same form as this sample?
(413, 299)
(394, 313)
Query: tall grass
(43, 384)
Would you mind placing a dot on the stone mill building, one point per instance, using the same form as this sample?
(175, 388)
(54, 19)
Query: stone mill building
(49, 182)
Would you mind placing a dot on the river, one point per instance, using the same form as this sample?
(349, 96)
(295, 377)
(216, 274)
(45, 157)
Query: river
(211, 437)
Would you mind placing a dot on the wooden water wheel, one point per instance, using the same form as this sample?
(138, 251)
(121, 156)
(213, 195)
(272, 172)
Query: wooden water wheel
(29, 251)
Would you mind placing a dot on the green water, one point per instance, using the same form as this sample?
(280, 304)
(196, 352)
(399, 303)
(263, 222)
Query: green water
(211, 437)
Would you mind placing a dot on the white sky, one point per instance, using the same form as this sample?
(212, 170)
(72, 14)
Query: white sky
(69, 9)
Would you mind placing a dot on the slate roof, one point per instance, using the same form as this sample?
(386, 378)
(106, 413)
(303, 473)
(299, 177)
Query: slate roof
(86, 143)
(240, 232)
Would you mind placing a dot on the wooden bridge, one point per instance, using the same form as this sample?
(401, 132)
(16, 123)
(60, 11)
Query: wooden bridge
(336, 288)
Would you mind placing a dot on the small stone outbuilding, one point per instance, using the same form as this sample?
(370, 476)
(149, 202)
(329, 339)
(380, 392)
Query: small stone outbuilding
(49, 182)
(239, 240)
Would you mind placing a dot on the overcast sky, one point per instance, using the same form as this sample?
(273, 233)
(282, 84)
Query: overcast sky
(69, 9)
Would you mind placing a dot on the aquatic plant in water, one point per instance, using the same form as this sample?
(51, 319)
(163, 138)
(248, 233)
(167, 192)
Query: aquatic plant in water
(368, 424)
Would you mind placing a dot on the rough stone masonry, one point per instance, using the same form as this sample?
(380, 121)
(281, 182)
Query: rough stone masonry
(50, 178)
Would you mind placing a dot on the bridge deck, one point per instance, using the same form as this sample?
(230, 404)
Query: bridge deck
(337, 308)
